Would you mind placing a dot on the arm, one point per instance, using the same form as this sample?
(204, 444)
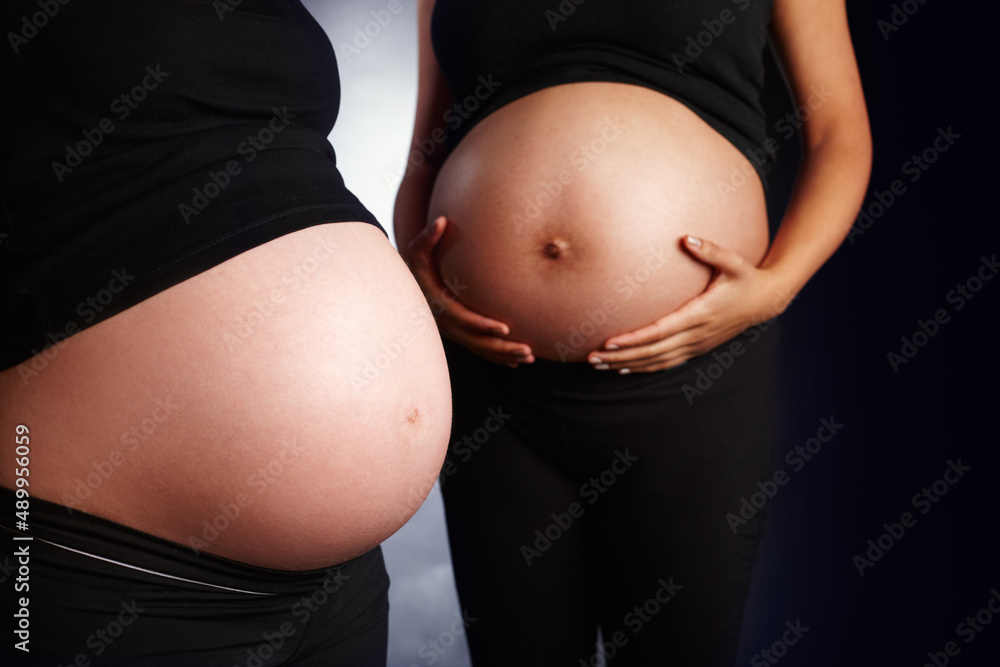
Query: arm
(433, 98)
(416, 238)
(815, 46)
(814, 43)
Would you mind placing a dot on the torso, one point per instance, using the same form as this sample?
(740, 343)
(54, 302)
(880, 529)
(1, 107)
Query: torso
(567, 207)
(301, 382)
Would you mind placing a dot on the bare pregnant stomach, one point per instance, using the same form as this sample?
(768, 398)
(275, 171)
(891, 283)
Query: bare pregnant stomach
(567, 207)
(288, 408)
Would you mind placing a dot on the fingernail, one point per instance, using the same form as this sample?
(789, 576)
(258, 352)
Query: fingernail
(611, 347)
(623, 371)
(694, 240)
(596, 360)
(601, 367)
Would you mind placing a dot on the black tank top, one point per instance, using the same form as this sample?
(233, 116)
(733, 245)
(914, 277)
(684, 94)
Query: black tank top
(145, 142)
(706, 54)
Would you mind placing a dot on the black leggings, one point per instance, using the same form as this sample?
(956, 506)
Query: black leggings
(579, 499)
(100, 593)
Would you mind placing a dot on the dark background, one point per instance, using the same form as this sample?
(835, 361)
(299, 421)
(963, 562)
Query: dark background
(900, 428)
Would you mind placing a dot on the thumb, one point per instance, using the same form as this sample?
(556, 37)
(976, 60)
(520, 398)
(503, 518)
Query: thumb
(725, 261)
(424, 242)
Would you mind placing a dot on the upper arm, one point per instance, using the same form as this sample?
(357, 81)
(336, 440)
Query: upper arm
(427, 147)
(433, 94)
(814, 44)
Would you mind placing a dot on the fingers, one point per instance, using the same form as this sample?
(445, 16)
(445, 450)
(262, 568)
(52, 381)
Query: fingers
(647, 335)
(658, 355)
(491, 348)
(689, 320)
(687, 317)
(668, 352)
(480, 334)
(469, 320)
(422, 246)
(722, 259)
(646, 365)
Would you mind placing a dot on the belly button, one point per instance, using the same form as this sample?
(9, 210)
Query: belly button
(555, 248)
(413, 416)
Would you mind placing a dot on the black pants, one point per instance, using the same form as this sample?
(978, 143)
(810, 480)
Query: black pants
(100, 593)
(579, 499)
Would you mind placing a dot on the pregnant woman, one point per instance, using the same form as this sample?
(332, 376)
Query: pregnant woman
(587, 185)
(222, 387)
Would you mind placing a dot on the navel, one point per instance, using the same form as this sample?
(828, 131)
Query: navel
(413, 416)
(555, 248)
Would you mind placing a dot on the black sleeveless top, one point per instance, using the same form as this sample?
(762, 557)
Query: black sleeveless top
(706, 54)
(145, 142)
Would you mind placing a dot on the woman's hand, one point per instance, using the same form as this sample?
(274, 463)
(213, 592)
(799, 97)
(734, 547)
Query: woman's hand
(814, 42)
(739, 296)
(477, 333)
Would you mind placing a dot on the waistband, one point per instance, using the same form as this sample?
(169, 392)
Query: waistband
(114, 547)
(751, 351)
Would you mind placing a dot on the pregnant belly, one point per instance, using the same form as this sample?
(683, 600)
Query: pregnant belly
(567, 207)
(288, 408)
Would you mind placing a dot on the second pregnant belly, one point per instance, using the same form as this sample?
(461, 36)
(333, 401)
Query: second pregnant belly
(567, 208)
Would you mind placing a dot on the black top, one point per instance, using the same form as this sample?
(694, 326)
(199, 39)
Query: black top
(145, 142)
(706, 54)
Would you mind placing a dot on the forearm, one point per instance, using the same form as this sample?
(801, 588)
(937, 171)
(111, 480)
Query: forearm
(412, 202)
(814, 44)
(828, 193)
